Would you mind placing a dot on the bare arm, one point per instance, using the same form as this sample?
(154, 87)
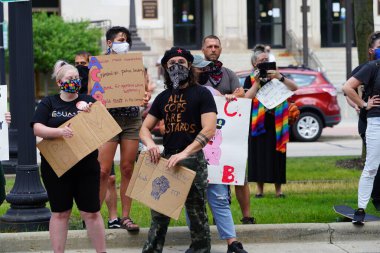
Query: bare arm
(45, 132)
(251, 93)
(349, 88)
(288, 82)
(146, 137)
(208, 121)
(352, 104)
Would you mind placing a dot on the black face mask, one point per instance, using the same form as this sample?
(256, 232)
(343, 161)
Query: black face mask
(83, 73)
(203, 77)
(178, 74)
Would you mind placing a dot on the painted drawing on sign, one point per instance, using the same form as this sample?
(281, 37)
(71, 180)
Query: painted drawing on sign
(159, 186)
(212, 150)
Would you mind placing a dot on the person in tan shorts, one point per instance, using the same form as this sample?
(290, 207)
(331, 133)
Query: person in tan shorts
(118, 40)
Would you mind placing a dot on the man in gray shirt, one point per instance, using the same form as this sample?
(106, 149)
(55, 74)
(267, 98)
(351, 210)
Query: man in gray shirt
(226, 82)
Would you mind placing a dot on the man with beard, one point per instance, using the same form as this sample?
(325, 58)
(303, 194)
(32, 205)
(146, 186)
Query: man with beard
(220, 206)
(226, 82)
(189, 114)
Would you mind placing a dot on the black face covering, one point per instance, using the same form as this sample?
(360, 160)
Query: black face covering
(203, 77)
(178, 75)
(83, 73)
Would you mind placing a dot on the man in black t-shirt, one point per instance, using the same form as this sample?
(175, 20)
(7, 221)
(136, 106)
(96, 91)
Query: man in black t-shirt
(189, 114)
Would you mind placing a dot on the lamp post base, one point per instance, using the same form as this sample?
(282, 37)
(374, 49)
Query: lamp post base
(25, 220)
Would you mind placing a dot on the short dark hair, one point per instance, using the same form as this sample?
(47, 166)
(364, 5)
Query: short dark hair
(84, 54)
(113, 31)
(213, 37)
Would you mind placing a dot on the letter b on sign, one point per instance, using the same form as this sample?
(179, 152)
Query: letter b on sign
(228, 174)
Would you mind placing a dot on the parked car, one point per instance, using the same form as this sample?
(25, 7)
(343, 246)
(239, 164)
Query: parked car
(316, 99)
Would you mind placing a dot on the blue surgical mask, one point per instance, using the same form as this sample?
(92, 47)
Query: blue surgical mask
(376, 53)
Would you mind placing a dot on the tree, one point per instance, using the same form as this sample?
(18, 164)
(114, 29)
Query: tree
(363, 26)
(55, 39)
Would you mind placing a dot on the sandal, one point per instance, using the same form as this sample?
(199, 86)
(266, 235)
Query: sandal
(248, 220)
(128, 224)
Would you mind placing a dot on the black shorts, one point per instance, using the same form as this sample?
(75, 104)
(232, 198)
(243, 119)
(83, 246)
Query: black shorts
(81, 183)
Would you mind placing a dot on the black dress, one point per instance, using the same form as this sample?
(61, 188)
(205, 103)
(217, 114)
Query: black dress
(265, 164)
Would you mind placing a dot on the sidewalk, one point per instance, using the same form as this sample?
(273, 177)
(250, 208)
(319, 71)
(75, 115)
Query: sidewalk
(345, 129)
(301, 237)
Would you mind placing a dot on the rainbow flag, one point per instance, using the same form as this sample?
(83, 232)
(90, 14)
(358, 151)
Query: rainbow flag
(281, 114)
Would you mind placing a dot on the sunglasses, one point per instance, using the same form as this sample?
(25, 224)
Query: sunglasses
(82, 63)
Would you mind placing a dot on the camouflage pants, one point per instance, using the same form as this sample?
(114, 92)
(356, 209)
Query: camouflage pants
(196, 210)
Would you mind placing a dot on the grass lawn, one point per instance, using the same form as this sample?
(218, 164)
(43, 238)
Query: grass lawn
(314, 186)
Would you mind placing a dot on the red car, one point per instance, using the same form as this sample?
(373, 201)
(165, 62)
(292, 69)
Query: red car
(316, 99)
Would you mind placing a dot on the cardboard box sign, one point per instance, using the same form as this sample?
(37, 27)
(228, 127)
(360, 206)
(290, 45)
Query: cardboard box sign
(91, 130)
(117, 80)
(163, 190)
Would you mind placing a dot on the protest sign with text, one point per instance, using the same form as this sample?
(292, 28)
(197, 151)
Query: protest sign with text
(273, 93)
(92, 129)
(227, 151)
(117, 80)
(4, 142)
(163, 190)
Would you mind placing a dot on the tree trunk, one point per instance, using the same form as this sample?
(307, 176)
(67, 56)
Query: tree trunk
(363, 16)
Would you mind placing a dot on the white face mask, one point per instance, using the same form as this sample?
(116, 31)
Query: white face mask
(120, 47)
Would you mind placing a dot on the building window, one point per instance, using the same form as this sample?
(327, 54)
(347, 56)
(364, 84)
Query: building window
(49, 6)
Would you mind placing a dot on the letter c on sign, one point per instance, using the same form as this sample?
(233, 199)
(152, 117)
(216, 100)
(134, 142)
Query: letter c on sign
(94, 74)
(226, 111)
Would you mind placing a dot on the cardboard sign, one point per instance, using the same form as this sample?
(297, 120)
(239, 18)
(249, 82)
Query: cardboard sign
(4, 142)
(227, 151)
(161, 189)
(273, 93)
(117, 80)
(91, 130)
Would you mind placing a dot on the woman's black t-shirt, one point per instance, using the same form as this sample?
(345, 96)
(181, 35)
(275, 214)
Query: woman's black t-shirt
(52, 111)
(369, 75)
(182, 112)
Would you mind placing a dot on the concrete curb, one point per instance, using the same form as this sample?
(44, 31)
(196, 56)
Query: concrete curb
(269, 233)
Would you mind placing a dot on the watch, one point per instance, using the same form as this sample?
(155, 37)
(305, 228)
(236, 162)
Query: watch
(282, 79)
(365, 105)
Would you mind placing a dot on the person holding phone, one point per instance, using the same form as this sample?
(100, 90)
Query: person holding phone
(267, 140)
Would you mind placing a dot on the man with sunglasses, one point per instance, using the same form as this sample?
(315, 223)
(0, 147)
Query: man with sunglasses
(367, 75)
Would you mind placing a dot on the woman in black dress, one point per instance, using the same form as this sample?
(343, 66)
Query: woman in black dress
(266, 150)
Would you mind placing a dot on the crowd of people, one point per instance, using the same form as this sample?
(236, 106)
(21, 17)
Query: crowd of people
(195, 79)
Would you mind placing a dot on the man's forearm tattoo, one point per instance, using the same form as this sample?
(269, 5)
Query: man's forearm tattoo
(202, 139)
